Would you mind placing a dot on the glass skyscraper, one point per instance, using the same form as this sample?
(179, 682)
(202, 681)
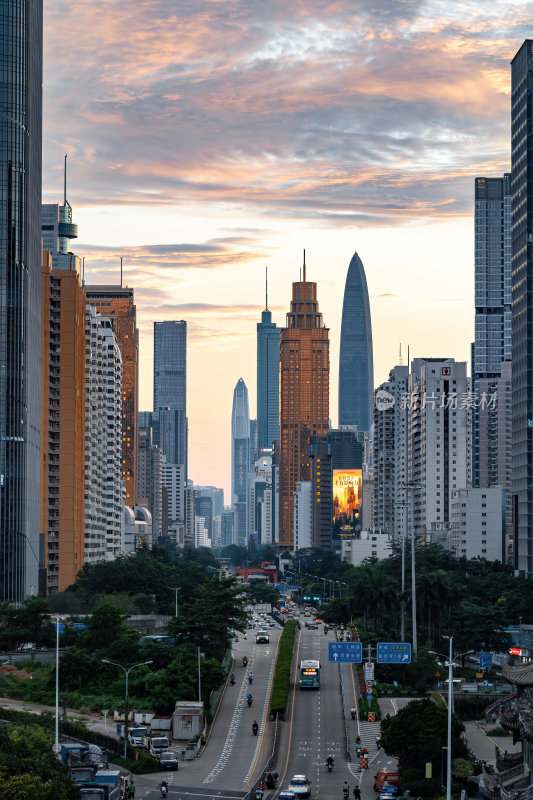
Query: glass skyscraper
(20, 296)
(522, 307)
(240, 460)
(268, 335)
(356, 362)
(170, 389)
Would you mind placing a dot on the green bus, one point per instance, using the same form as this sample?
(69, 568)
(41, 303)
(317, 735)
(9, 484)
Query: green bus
(309, 674)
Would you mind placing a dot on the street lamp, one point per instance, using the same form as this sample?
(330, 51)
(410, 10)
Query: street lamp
(127, 674)
(410, 486)
(176, 589)
(450, 696)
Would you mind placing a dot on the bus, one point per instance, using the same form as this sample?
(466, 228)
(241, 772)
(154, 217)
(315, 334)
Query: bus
(309, 674)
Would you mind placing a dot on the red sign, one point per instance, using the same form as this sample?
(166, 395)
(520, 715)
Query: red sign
(515, 651)
(446, 371)
(369, 685)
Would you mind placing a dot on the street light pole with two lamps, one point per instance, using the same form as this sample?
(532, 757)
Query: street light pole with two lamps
(126, 704)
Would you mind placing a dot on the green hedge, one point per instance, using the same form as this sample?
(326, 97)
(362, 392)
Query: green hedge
(282, 675)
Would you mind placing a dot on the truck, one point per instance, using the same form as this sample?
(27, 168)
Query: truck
(99, 791)
(110, 777)
(137, 736)
(158, 744)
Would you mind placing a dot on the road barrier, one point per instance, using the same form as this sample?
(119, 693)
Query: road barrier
(345, 714)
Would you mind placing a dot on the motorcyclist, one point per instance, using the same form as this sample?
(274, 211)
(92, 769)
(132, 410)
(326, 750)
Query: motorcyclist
(163, 786)
(378, 741)
(244, 660)
(232, 679)
(356, 793)
(249, 699)
(330, 761)
(353, 712)
(255, 727)
(250, 677)
(345, 790)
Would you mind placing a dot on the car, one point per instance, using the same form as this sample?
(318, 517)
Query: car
(168, 760)
(300, 786)
(286, 795)
(386, 776)
(312, 626)
(262, 637)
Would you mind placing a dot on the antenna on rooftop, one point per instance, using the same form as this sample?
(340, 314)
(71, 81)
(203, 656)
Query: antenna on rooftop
(400, 361)
(266, 288)
(121, 272)
(304, 265)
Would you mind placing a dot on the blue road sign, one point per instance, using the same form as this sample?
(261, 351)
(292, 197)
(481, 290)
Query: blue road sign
(485, 659)
(393, 653)
(286, 587)
(345, 652)
(369, 698)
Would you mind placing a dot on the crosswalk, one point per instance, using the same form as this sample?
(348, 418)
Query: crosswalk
(368, 732)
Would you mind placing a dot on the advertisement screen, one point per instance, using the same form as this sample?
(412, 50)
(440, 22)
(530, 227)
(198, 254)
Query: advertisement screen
(347, 501)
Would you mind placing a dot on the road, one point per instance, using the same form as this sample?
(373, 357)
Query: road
(233, 757)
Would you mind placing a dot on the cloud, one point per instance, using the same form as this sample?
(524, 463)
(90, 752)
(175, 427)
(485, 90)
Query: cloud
(387, 295)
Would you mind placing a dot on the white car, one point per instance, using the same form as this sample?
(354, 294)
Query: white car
(262, 637)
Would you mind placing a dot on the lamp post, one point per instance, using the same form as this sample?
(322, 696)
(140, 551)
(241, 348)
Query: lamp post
(449, 742)
(126, 708)
(56, 745)
(410, 486)
(176, 590)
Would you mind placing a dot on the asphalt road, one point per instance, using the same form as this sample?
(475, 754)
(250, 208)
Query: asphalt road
(233, 757)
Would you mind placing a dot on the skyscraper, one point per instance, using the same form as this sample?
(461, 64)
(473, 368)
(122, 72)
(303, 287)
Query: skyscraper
(356, 362)
(522, 307)
(268, 335)
(491, 369)
(170, 389)
(117, 304)
(20, 298)
(304, 410)
(240, 459)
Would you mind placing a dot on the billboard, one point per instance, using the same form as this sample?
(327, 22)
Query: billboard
(347, 502)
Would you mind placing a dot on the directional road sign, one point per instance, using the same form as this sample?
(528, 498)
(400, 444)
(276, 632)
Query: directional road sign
(345, 652)
(286, 587)
(485, 659)
(394, 653)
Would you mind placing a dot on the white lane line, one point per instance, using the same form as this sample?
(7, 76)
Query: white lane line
(261, 724)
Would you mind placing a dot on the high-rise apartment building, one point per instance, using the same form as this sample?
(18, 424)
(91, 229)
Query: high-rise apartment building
(117, 304)
(103, 476)
(63, 400)
(227, 527)
(216, 495)
(303, 515)
(203, 507)
(356, 360)
(240, 459)
(21, 546)
(438, 441)
(170, 389)
(522, 307)
(390, 470)
(491, 371)
(149, 479)
(174, 481)
(304, 408)
(268, 337)
(260, 500)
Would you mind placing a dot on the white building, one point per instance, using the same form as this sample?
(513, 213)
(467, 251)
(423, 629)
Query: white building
(104, 490)
(201, 534)
(372, 544)
(478, 524)
(217, 532)
(137, 528)
(190, 516)
(149, 471)
(303, 515)
(173, 478)
(438, 441)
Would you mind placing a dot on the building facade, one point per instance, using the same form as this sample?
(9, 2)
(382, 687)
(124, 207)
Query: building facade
(228, 525)
(63, 399)
(304, 398)
(477, 527)
(22, 547)
(356, 361)
(491, 371)
(117, 304)
(260, 528)
(268, 338)
(104, 491)
(149, 479)
(170, 389)
(240, 459)
(522, 308)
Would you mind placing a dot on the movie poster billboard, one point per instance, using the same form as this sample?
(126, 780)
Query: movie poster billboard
(347, 502)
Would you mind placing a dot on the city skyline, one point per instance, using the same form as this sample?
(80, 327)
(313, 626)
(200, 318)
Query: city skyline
(378, 125)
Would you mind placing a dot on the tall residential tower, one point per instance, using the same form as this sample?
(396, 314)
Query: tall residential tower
(268, 335)
(304, 395)
(356, 361)
(170, 390)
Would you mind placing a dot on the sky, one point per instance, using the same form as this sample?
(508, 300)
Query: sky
(208, 139)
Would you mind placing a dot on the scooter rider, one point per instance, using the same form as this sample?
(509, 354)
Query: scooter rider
(255, 727)
(345, 790)
(250, 677)
(249, 699)
(232, 679)
(163, 788)
(330, 761)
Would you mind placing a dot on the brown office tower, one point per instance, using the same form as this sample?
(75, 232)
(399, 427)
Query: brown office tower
(304, 407)
(62, 421)
(116, 303)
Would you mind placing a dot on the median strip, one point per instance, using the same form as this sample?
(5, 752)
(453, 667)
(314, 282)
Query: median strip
(282, 677)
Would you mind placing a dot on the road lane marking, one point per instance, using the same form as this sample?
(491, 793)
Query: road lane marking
(265, 712)
(274, 796)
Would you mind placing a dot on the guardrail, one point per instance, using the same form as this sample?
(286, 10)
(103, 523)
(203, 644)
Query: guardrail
(271, 761)
(343, 697)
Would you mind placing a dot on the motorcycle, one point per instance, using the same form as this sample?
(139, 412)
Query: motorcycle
(232, 680)
(346, 794)
(244, 661)
(378, 743)
(164, 790)
(250, 678)
(255, 728)
(329, 764)
(249, 700)
(259, 794)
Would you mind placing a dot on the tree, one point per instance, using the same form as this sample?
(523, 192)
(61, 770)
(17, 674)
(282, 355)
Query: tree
(417, 734)
(261, 592)
(27, 623)
(29, 770)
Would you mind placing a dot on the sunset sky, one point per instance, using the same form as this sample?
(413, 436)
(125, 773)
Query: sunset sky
(208, 139)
